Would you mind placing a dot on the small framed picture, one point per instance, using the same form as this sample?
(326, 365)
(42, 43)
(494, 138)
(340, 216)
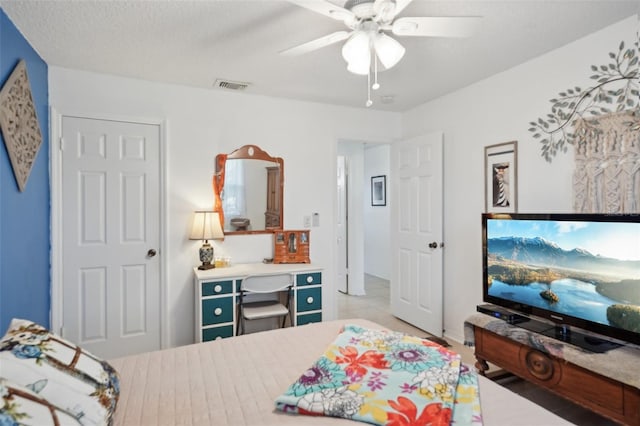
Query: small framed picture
(501, 178)
(379, 190)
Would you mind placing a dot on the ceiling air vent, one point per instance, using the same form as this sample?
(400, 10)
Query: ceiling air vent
(230, 85)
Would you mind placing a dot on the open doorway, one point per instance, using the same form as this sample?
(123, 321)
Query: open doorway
(363, 231)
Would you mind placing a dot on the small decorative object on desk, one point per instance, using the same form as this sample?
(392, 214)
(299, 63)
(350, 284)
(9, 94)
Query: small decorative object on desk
(222, 262)
(291, 246)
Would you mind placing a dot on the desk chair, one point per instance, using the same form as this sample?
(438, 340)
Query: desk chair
(264, 284)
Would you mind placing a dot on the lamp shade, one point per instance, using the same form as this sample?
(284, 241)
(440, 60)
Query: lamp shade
(357, 52)
(388, 50)
(206, 226)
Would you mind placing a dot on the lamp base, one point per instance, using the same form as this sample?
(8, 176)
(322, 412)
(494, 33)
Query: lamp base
(206, 266)
(206, 256)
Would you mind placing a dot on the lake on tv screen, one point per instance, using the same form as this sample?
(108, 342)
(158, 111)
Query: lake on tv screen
(575, 298)
(574, 282)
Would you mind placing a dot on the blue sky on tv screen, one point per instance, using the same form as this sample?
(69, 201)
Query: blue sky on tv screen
(617, 240)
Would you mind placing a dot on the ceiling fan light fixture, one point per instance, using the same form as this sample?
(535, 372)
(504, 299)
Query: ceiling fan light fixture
(360, 68)
(357, 52)
(388, 50)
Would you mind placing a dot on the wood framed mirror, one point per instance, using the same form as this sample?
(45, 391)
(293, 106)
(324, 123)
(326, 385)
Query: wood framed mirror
(249, 189)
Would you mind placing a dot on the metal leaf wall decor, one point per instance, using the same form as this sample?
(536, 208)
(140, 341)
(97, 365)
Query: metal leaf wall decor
(19, 123)
(555, 131)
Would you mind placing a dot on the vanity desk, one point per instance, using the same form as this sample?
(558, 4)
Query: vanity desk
(217, 291)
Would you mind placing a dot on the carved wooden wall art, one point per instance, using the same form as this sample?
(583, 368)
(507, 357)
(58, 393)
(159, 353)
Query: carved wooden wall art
(19, 123)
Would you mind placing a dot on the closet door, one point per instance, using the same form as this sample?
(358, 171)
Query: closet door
(111, 235)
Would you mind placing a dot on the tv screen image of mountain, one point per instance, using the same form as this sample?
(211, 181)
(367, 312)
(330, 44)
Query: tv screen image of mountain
(573, 269)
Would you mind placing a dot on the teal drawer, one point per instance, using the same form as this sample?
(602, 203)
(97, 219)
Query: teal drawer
(309, 279)
(217, 311)
(308, 318)
(215, 288)
(309, 299)
(215, 333)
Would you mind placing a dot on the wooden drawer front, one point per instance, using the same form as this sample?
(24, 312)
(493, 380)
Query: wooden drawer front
(309, 279)
(216, 333)
(309, 299)
(309, 318)
(217, 311)
(590, 389)
(217, 287)
(498, 350)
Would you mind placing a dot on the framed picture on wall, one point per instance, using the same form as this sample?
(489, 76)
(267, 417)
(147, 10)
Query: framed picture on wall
(501, 177)
(379, 190)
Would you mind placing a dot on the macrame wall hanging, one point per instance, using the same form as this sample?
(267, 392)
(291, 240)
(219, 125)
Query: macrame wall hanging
(603, 125)
(606, 178)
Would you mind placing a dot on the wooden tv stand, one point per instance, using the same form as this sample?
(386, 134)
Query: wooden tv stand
(563, 372)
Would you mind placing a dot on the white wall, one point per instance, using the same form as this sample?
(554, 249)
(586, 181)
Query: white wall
(202, 123)
(377, 226)
(496, 110)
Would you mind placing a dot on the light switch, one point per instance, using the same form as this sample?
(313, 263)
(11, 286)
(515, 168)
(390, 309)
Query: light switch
(307, 222)
(316, 219)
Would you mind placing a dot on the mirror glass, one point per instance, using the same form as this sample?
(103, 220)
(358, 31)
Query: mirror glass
(252, 192)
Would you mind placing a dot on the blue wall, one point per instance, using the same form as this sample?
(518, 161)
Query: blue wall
(24, 216)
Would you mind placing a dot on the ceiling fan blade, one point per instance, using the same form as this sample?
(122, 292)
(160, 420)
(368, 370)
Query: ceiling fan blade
(459, 26)
(317, 43)
(326, 8)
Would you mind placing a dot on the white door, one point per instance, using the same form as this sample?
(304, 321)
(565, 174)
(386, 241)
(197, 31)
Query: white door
(110, 235)
(343, 260)
(416, 232)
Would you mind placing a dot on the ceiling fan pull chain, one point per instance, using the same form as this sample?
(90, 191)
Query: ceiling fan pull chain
(369, 101)
(375, 86)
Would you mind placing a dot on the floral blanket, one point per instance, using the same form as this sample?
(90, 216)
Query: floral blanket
(386, 378)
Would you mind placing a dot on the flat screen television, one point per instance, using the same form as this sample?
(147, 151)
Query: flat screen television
(571, 270)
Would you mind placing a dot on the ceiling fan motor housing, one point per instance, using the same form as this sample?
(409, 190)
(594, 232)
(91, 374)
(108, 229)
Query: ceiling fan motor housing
(363, 9)
(350, 4)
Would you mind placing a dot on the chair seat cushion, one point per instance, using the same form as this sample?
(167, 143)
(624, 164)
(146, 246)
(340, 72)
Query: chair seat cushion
(258, 310)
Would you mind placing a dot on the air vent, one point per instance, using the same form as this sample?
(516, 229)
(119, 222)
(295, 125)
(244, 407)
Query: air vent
(230, 85)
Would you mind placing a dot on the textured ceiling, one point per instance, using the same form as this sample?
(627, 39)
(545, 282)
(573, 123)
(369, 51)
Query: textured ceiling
(194, 43)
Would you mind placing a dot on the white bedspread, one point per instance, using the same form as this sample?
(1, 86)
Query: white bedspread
(235, 381)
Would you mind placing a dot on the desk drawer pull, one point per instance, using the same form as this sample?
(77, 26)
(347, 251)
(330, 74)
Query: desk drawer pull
(217, 311)
(309, 300)
(217, 288)
(310, 279)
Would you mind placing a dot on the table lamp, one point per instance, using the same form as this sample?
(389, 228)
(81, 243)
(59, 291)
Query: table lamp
(206, 226)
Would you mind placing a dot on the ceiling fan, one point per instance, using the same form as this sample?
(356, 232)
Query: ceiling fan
(368, 22)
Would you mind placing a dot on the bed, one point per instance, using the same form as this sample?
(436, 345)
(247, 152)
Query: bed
(236, 381)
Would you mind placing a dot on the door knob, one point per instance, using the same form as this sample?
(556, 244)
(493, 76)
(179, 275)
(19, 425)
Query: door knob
(433, 245)
(151, 253)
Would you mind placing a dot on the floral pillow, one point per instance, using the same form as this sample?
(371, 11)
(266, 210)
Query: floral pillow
(78, 385)
(22, 406)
